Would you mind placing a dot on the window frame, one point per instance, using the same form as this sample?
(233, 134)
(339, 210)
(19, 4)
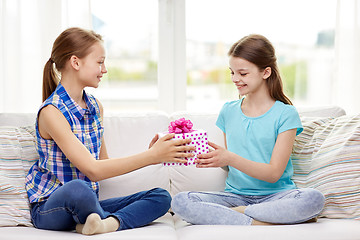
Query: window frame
(172, 55)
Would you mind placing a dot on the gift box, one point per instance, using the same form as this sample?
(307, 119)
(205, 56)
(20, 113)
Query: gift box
(183, 129)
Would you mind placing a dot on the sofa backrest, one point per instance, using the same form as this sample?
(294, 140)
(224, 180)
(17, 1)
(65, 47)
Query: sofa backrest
(131, 133)
(128, 134)
(325, 156)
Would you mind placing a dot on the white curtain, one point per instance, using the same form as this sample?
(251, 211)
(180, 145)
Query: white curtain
(347, 59)
(28, 29)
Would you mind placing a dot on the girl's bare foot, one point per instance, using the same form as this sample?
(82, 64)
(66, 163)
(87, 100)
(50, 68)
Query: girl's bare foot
(241, 209)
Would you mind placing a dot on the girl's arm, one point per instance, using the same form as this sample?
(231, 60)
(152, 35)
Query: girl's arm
(269, 172)
(53, 125)
(103, 151)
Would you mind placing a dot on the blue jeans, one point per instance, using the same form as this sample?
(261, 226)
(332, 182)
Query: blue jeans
(214, 208)
(74, 201)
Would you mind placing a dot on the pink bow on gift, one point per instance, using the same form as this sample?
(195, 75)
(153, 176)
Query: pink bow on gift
(180, 126)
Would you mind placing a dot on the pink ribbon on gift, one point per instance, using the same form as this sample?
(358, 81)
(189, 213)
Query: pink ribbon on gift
(181, 126)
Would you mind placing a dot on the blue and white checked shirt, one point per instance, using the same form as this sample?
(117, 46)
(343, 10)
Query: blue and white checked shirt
(53, 169)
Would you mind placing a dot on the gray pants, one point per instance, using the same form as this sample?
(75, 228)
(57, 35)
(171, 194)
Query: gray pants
(214, 208)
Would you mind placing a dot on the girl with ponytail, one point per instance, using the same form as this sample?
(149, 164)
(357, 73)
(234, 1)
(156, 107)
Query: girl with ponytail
(259, 131)
(62, 185)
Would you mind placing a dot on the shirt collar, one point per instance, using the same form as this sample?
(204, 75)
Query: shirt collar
(74, 107)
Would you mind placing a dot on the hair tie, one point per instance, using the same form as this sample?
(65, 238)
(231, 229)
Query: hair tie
(50, 59)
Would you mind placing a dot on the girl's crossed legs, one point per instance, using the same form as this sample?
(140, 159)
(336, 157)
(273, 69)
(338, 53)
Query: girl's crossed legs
(72, 204)
(223, 208)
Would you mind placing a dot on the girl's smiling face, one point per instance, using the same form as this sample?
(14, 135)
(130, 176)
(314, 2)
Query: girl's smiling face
(93, 66)
(246, 76)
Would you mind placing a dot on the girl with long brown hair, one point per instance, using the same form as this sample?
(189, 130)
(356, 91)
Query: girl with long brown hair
(62, 185)
(259, 130)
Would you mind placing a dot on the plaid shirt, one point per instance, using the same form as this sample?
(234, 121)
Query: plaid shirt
(53, 169)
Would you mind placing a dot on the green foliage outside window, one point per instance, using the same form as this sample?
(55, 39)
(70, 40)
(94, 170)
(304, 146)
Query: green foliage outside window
(294, 77)
(119, 74)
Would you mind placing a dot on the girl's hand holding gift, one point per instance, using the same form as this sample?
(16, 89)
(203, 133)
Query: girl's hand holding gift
(218, 157)
(196, 139)
(167, 149)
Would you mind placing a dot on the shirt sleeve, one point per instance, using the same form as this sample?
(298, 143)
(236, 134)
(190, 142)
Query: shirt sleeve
(220, 122)
(290, 119)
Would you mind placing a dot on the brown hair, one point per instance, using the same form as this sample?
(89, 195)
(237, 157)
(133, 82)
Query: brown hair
(258, 50)
(72, 41)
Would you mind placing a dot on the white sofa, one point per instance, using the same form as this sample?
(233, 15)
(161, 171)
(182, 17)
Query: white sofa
(130, 133)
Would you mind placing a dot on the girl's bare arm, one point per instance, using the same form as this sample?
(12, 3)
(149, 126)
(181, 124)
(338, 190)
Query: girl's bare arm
(53, 125)
(269, 172)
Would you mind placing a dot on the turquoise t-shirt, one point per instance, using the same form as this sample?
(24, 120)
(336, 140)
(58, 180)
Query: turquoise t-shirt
(254, 139)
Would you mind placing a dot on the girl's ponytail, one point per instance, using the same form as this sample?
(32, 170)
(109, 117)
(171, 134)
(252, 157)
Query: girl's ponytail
(50, 80)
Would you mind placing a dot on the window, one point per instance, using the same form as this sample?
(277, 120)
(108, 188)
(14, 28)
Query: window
(130, 34)
(135, 53)
(303, 38)
(171, 55)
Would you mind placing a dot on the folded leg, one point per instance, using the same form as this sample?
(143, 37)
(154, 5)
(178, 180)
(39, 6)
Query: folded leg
(211, 208)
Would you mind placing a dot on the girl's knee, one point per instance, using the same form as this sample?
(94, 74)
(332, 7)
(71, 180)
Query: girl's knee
(318, 199)
(76, 184)
(161, 193)
(78, 191)
(179, 202)
(162, 197)
(315, 199)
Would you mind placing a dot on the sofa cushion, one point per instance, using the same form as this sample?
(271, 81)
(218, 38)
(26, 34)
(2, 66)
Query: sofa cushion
(324, 229)
(326, 156)
(323, 111)
(17, 119)
(160, 229)
(190, 178)
(128, 134)
(17, 154)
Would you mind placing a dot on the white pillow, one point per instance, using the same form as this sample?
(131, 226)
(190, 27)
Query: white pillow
(326, 156)
(17, 155)
(190, 178)
(127, 134)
